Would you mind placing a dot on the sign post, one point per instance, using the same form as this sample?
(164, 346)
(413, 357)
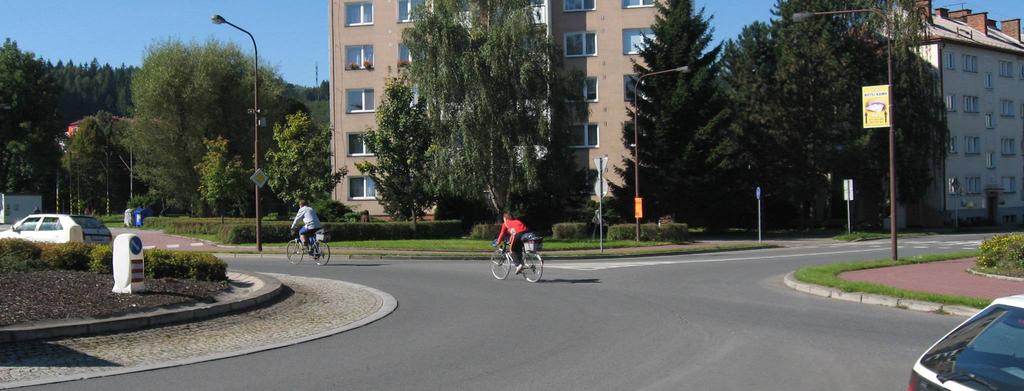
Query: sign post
(954, 187)
(600, 163)
(757, 193)
(848, 196)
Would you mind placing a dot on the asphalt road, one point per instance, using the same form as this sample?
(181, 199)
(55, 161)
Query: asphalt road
(701, 322)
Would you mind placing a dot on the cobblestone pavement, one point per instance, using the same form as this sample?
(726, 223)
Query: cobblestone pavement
(315, 307)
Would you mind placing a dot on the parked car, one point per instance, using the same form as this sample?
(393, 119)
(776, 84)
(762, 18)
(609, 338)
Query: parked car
(986, 352)
(59, 228)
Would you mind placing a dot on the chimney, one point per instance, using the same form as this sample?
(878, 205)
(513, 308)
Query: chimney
(960, 14)
(1012, 28)
(978, 21)
(924, 8)
(992, 24)
(942, 12)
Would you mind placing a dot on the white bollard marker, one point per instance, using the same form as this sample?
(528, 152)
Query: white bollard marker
(129, 269)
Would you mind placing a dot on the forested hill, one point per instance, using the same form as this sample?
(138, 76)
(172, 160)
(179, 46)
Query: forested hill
(88, 88)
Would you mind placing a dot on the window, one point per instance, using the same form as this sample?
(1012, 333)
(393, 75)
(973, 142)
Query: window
(634, 40)
(362, 188)
(950, 60)
(637, 3)
(30, 224)
(1009, 146)
(539, 11)
(1022, 71)
(990, 121)
(357, 145)
(972, 144)
(580, 44)
(359, 100)
(359, 57)
(406, 8)
(952, 144)
(578, 5)
(988, 80)
(970, 104)
(584, 136)
(973, 185)
(1005, 69)
(50, 224)
(1009, 184)
(950, 102)
(590, 89)
(1006, 108)
(404, 56)
(629, 86)
(990, 160)
(970, 63)
(358, 14)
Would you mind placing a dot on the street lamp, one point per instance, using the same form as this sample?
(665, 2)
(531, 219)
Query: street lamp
(636, 139)
(803, 16)
(217, 19)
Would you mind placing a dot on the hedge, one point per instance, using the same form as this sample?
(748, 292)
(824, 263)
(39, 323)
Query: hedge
(1002, 252)
(101, 259)
(20, 248)
(67, 256)
(281, 232)
(669, 232)
(570, 231)
(184, 264)
(13, 263)
(485, 231)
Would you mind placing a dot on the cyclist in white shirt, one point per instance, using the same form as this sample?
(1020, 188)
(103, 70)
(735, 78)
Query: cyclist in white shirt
(310, 222)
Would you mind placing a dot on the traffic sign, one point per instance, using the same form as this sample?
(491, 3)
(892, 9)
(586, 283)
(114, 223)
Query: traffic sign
(847, 189)
(757, 193)
(259, 178)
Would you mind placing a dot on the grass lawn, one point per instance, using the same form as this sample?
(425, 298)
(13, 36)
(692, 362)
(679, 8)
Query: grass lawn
(828, 275)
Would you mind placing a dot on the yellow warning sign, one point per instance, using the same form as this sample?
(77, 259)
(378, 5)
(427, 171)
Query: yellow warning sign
(876, 106)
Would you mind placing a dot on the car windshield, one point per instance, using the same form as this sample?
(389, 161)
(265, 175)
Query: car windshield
(990, 346)
(87, 222)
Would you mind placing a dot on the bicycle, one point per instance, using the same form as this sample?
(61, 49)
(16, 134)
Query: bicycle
(317, 248)
(533, 264)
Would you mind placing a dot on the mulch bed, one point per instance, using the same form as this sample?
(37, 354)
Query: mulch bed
(60, 294)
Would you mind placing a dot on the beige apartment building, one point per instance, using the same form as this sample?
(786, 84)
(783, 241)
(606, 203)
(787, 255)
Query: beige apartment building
(599, 37)
(980, 63)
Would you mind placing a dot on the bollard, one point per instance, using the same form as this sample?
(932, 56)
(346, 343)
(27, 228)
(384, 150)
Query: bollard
(129, 268)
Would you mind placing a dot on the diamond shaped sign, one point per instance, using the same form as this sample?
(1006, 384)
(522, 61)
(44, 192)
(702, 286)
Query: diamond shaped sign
(259, 178)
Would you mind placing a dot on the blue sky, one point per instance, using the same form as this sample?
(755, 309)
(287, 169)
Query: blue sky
(292, 35)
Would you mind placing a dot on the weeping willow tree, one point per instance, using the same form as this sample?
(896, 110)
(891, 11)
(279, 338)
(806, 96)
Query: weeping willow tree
(496, 98)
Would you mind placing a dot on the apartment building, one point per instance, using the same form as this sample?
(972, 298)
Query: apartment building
(598, 37)
(980, 64)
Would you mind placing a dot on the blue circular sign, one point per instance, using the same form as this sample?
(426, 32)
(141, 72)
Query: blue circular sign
(135, 245)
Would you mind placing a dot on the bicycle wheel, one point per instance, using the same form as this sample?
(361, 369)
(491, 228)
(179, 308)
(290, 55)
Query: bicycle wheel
(294, 252)
(500, 265)
(325, 254)
(533, 266)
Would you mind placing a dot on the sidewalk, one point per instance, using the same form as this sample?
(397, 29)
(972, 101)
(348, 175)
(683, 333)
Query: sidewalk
(947, 277)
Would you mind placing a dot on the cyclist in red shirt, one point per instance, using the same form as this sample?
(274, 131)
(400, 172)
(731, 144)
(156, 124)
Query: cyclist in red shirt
(515, 229)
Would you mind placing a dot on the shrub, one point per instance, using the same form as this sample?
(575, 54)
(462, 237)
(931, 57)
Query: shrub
(674, 232)
(648, 232)
(101, 259)
(191, 226)
(14, 263)
(1002, 252)
(20, 248)
(330, 210)
(67, 256)
(485, 231)
(184, 265)
(570, 231)
(280, 232)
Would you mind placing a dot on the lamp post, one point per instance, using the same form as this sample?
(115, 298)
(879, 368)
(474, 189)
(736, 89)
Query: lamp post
(636, 139)
(217, 19)
(803, 16)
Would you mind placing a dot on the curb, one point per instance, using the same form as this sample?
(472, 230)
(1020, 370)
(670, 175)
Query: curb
(868, 298)
(268, 288)
(996, 276)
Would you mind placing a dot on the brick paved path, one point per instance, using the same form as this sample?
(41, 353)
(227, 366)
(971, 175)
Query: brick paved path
(317, 305)
(948, 277)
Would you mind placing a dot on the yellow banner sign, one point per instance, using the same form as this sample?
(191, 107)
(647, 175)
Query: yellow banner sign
(876, 106)
(638, 208)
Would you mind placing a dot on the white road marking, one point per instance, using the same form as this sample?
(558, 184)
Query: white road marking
(148, 247)
(195, 244)
(173, 246)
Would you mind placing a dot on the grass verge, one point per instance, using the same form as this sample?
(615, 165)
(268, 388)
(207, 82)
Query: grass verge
(857, 236)
(828, 275)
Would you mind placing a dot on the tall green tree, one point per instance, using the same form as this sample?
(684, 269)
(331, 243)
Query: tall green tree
(185, 93)
(222, 178)
(680, 119)
(300, 167)
(495, 95)
(400, 144)
(29, 131)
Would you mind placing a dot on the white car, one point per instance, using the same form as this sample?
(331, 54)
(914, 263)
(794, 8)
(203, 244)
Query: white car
(986, 352)
(58, 228)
